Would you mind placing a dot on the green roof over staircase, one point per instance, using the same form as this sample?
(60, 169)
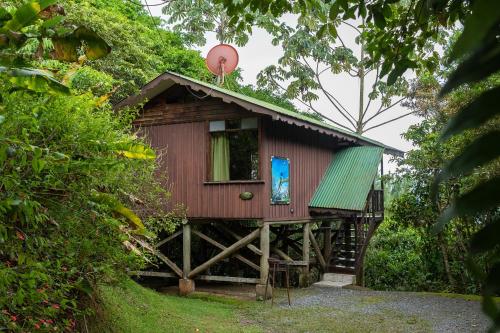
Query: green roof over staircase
(348, 179)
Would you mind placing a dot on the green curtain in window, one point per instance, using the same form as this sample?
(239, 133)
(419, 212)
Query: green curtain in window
(220, 157)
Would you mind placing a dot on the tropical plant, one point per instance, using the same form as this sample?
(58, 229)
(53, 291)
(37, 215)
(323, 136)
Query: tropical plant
(69, 170)
(40, 23)
(142, 49)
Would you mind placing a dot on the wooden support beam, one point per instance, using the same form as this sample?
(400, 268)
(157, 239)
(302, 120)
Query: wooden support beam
(155, 274)
(281, 253)
(304, 276)
(305, 242)
(316, 248)
(327, 241)
(251, 247)
(161, 256)
(226, 253)
(264, 247)
(186, 249)
(233, 279)
(278, 222)
(169, 238)
(222, 247)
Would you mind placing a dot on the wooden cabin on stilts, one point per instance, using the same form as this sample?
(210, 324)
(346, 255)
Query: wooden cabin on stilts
(257, 180)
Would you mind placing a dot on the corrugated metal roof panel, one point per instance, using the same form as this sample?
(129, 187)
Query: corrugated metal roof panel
(348, 179)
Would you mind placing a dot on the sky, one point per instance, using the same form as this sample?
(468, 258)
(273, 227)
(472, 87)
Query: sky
(259, 53)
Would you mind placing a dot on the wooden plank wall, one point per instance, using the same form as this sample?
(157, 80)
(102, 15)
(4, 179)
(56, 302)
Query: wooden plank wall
(180, 134)
(184, 161)
(179, 130)
(310, 154)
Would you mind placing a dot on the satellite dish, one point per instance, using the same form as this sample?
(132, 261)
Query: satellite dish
(221, 60)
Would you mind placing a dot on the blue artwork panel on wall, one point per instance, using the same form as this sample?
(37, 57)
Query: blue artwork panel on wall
(280, 180)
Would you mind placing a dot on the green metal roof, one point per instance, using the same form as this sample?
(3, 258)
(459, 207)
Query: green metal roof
(348, 179)
(155, 86)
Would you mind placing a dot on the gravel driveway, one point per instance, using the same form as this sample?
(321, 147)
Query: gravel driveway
(443, 314)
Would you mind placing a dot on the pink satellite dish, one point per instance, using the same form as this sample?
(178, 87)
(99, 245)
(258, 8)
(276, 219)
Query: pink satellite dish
(221, 60)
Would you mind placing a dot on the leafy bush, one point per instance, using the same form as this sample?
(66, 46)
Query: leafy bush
(58, 155)
(87, 79)
(394, 261)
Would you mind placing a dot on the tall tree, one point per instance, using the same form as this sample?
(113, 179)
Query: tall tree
(315, 54)
(310, 58)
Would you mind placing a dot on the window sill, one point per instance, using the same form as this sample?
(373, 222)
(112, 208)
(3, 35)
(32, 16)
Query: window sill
(228, 182)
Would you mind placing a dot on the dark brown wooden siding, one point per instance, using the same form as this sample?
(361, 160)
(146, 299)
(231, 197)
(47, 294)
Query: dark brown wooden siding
(310, 154)
(176, 123)
(183, 148)
(161, 110)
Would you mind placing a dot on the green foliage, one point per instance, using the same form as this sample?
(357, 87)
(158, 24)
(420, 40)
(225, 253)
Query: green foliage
(142, 49)
(86, 79)
(58, 155)
(395, 260)
(193, 19)
(69, 171)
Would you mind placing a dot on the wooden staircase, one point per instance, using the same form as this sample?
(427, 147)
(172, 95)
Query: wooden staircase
(344, 250)
(351, 239)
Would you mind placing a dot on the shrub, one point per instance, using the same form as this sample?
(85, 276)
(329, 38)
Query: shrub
(87, 79)
(394, 261)
(56, 240)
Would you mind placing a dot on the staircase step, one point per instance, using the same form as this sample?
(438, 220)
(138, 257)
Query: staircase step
(345, 259)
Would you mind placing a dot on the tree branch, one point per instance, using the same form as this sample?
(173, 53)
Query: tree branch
(379, 112)
(389, 121)
(352, 26)
(373, 90)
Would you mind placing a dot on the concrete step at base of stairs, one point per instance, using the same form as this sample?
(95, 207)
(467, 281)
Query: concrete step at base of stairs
(336, 280)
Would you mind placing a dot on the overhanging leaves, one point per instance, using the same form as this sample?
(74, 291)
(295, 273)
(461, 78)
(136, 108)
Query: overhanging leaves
(484, 16)
(481, 64)
(483, 197)
(479, 111)
(26, 14)
(486, 238)
(479, 152)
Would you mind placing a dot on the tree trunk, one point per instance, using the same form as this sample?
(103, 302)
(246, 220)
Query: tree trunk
(444, 252)
(361, 73)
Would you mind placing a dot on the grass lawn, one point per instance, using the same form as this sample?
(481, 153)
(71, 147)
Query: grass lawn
(129, 307)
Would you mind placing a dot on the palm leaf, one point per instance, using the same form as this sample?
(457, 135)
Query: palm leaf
(34, 80)
(481, 198)
(479, 111)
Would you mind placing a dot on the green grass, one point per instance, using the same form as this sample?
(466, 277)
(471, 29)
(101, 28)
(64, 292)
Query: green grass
(129, 307)
(459, 296)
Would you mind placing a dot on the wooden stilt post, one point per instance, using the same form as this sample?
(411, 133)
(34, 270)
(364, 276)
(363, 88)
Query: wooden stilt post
(327, 242)
(186, 285)
(260, 289)
(186, 249)
(304, 277)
